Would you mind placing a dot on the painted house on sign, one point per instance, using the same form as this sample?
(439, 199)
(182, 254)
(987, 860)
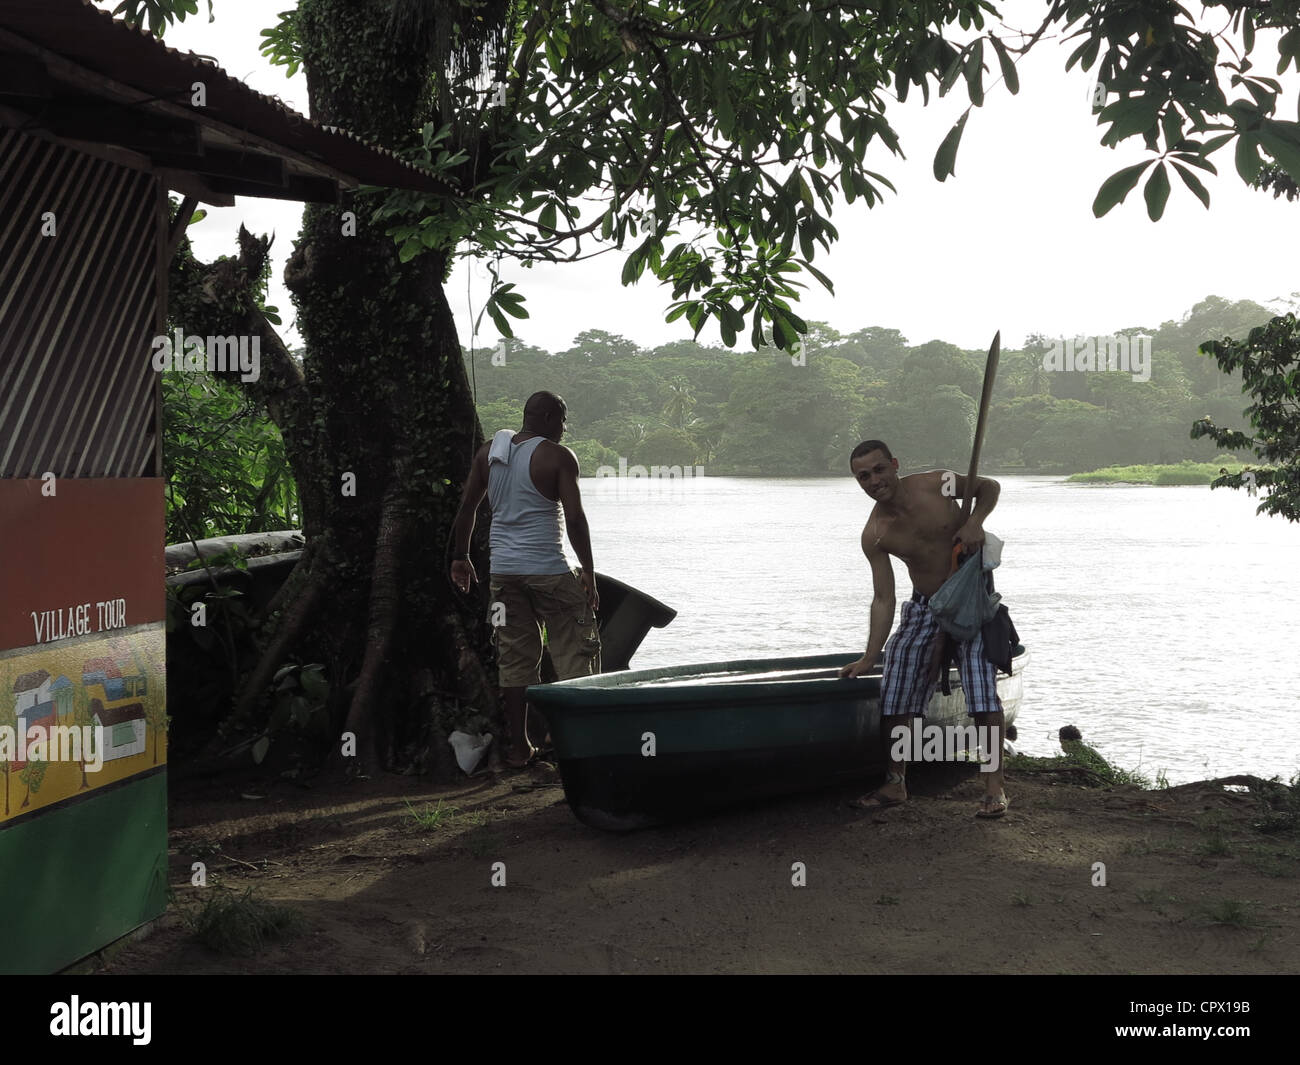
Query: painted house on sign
(124, 728)
(98, 122)
(107, 674)
(40, 699)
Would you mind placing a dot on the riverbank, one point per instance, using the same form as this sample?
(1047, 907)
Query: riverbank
(393, 876)
(1185, 472)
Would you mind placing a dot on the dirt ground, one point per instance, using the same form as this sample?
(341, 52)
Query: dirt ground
(1191, 884)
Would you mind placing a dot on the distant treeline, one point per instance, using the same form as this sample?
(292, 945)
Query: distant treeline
(741, 412)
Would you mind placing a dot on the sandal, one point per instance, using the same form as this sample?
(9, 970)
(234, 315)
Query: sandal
(993, 806)
(877, 801)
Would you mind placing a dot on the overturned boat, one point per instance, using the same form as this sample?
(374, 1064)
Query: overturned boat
(644, 747)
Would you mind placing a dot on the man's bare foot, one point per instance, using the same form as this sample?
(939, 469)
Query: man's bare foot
(893, 792)
(992, 806)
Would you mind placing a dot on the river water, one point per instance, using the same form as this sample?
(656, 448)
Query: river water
(1163, 621)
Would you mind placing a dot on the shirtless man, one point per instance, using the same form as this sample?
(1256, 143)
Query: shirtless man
(919, 521)
(528, 477)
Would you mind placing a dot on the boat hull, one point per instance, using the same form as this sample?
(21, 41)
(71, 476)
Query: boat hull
(644, 747)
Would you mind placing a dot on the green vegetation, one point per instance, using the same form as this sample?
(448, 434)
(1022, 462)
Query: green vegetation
(224, 462)
(242, 924)
(1082, 763)
(1185, 472)
(1233, 913)
(1268, 361)
(427, 820)
(685, 404)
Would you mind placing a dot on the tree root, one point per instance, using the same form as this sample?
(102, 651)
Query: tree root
(394, 518)
(291, 627)
(289, 589)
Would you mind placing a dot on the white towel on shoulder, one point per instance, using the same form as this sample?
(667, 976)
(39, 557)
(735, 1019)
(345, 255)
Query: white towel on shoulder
(500, 449)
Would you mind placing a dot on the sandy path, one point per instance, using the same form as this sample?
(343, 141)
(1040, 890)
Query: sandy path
(921, 889)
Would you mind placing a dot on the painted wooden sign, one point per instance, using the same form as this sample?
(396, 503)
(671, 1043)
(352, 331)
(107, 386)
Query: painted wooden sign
(83, 744)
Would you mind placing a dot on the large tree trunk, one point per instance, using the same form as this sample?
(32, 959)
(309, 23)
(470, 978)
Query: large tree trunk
(392, 429)
(379, 426)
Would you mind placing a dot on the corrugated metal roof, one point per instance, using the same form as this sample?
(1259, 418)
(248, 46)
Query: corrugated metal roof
(77, 311)
(91, 38)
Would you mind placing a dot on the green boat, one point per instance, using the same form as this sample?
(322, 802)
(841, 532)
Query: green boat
(644, 747)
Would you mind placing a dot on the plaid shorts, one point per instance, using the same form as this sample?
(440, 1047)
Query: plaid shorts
(906, 687)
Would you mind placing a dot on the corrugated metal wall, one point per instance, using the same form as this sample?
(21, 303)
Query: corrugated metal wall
(78, 311)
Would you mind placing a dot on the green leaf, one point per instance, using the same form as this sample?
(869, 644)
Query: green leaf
(633, 268)
(1133, 114)
(1193, 183)
(1156, 192)
(727, 332)
(975, 72)
(500, 321)
(825, 281)
(1116, 187)
(1009, 74)
(547, 218)
(805, 193)
(1171, 124)
(951, 74)
(1247, 157)
(946, 157)
(260, 748)
(1284, 150)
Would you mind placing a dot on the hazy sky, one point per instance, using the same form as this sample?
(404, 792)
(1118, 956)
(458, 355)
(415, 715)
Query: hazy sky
(1008, 243)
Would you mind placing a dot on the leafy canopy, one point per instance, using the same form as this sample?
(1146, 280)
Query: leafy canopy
(708, 141)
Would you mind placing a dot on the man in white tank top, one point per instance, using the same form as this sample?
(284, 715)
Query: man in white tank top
(531, 482)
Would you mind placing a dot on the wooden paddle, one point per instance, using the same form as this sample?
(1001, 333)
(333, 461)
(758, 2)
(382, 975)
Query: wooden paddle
(968, 500)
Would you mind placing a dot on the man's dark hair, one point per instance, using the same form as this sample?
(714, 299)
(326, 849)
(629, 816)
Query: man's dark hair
(544, 406)
(868, 446)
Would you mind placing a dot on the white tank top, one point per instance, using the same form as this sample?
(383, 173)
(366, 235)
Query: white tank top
(527, 528)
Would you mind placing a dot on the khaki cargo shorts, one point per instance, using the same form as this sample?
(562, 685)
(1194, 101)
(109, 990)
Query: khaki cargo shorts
(521, 604)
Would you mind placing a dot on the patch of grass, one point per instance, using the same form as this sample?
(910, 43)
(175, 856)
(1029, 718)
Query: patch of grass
(241, 924)
(1278, 864)
(1215, 847)
(888, 900)
(1233, 913)
(1021, 899)
(427, 820)
(1140, 848)
(1157, 899)
(1080, 763)
(1185, 472)
(1282, 804)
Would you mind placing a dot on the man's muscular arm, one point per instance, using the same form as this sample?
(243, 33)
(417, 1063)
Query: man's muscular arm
(575, 521)
(986, 498)
(462, 570)
(882, 604)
